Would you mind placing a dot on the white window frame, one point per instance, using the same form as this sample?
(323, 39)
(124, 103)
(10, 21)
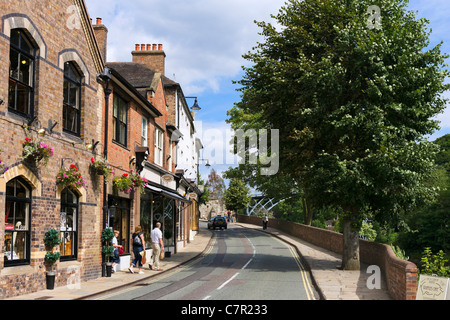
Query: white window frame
(159, 146)
(144, 133)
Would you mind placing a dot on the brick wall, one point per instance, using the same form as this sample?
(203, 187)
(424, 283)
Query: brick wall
(401, 275)
(57, 42)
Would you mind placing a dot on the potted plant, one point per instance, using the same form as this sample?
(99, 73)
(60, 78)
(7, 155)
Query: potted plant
(70, 177)
(101, 167)
(51, 240)
(107, 248)
(36, 150)
(138, 181)
(167, 235)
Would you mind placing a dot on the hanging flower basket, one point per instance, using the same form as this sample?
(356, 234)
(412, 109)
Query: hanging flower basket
(101, 167)
(128, 182)
(70, 177)
(38, 151)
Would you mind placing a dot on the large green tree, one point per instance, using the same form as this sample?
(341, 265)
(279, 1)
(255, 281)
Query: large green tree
(353, 92)
(237, 195)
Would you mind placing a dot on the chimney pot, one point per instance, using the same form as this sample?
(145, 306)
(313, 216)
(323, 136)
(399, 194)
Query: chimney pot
(148, 47)
(136, 47)
(154, 46)
(142, 47)
(160, 47)
(99, 20)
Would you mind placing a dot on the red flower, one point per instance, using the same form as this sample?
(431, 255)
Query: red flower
(73, 166)
(92, 160)
(125, 175)
(28, 139)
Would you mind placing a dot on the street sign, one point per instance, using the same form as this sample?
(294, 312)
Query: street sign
(433, 288)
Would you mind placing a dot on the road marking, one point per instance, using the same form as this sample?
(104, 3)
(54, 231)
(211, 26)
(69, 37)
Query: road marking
(226, 282)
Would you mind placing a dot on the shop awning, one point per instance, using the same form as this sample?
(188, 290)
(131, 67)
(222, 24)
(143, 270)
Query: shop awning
(167, 193)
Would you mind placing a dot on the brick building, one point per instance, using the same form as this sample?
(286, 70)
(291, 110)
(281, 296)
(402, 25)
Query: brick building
(59, 90)
(48, 93)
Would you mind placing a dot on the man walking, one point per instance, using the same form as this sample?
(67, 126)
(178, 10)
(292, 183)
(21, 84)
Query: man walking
(157, 246)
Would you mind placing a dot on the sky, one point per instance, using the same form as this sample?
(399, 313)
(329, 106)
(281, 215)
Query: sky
(204, 41)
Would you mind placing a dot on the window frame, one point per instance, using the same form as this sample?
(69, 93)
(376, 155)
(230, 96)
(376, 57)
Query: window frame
(144, 132)
(17, 82)
(76, 83)
(74, 233)
(28, 201)
(159, 146)
(118, 124)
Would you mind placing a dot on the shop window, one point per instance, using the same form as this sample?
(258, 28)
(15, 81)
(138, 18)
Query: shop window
(72, 99)
(144, 140)
(119, 219)
(17, 223)
(69, 225)
(21, 74)
(120, 114)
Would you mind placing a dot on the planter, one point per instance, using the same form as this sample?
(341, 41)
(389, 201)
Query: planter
(167, 254)
(50, 280)
(108, 269)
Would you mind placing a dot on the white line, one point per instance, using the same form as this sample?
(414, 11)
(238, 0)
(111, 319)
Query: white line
(206, 298)
(226, 282)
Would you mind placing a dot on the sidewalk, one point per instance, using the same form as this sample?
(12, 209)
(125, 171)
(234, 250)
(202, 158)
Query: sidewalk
(331, 283)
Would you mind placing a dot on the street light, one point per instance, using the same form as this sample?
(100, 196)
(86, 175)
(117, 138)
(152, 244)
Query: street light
(195, 107)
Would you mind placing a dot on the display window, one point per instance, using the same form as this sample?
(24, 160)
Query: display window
(69, 225)
(17, 223)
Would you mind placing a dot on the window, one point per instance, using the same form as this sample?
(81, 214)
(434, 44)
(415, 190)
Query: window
(119, 219)
(159, 146)
(72, 97)
(144, 141)
(17, 223)
(68, 225)
(21, 74)
(120, 120)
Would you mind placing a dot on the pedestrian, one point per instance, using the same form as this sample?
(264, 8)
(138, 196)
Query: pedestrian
(229, 216)
(265, 220)
(157, 246)
(138, 247)
(116, 245)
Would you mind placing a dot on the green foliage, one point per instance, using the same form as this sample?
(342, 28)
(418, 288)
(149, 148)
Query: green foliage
(434, 263)
(52, 257)
(367, 231)
(399, 252)
(51, 238)
(107, 248)
(237, 196)
(107, 235)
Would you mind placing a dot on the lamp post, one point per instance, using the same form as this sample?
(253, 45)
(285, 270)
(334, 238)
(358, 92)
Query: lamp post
(104, 79)
(195, 107)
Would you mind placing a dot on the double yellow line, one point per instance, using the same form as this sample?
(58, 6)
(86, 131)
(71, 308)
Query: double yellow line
(303, 271)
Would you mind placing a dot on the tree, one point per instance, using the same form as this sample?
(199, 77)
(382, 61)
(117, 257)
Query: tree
(353, 102)
(215, 184)
(237, 195)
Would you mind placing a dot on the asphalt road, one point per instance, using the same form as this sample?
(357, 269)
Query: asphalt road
(240, 264)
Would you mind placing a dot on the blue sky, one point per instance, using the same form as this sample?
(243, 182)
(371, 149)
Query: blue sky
(204, 41)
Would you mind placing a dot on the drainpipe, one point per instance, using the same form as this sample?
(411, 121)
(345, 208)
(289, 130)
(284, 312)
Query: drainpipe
(104, 79)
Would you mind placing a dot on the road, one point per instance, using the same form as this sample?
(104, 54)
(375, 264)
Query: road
(239, 264)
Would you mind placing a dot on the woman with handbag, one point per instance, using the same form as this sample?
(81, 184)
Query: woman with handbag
(138, 249)
(157, 246)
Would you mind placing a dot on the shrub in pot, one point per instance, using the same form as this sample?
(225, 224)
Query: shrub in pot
(51, 240)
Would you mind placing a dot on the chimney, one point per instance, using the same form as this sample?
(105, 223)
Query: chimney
(151, 55)
(101, 34)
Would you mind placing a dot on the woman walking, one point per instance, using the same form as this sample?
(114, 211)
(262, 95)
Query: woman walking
(138, 247)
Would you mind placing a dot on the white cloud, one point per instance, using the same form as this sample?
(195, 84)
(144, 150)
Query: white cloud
(203, 39)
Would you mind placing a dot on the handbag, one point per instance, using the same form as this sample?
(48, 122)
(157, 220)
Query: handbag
(161, 255)
(121, 250)
(142, 253)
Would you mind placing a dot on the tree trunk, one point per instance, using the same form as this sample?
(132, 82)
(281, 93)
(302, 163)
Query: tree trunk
(350, 256)
(307, 212)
